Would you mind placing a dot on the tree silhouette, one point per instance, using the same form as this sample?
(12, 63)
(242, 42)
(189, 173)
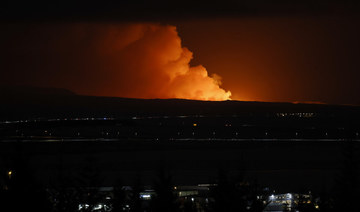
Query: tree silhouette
(119, 197)
(136, 200)
(227, 196)
(234, 195)
(21, 191)
(347, 184)
(67, 199)
(89, 182)
(165, 200)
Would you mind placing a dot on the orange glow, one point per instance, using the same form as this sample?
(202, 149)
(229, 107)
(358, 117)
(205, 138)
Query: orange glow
(270, 59)
(148, 61)
(134, 60)
(309, 102)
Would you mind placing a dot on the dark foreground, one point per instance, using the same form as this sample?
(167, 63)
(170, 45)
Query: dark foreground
(326, 167)
(67, 152)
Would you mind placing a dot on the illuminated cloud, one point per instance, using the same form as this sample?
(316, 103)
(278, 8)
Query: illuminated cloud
(121, 60)
(155, 65)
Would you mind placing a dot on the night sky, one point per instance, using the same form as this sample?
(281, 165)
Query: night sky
(304, 51)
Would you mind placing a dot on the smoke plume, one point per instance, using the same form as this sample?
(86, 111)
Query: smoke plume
(123, 60)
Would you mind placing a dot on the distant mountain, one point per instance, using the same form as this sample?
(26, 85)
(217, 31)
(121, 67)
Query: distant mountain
(32, 90)
(34, 102)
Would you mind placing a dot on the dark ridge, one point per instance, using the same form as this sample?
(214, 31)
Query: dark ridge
(32, 102)
(22, 91)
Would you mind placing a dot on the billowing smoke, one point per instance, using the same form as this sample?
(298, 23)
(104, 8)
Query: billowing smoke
(124, 60)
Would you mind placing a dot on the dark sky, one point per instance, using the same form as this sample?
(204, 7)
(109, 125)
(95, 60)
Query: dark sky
(296, 58)
(162, 10)
(305, 51)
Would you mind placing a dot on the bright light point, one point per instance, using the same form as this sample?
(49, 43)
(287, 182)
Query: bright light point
(98, 207)
(145, 196)
(289, 196)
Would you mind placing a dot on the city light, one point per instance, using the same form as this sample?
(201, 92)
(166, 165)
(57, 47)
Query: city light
(289, 196)
(145, 196)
